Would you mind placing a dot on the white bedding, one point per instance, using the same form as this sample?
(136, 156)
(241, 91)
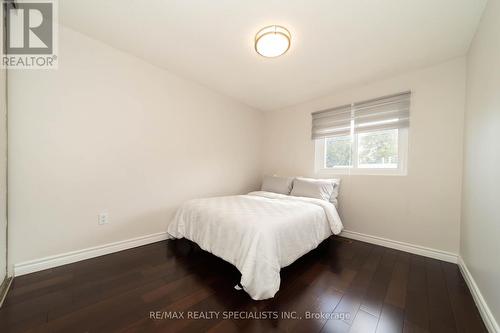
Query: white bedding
(259, 233)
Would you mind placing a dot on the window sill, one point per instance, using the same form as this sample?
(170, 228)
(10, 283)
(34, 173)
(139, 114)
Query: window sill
(362, 172)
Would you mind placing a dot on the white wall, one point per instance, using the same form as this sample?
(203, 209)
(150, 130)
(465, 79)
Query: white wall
(109, 132)
(422, 208)
(480, 243)
(3, 173)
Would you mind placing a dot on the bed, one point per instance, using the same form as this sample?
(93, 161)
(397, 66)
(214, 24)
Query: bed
(259, 233)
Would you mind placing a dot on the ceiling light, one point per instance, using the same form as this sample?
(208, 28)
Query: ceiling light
(272, 41)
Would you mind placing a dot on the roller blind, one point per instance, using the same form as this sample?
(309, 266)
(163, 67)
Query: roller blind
(382, 113)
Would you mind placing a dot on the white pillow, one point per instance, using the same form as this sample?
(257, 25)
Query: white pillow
(282, 185)
(325, 189)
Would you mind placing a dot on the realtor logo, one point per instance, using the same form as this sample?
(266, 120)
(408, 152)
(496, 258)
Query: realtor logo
(29, 37)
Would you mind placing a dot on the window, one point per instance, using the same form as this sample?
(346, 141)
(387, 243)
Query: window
(378, 149)
(363, 138)
(338, 152)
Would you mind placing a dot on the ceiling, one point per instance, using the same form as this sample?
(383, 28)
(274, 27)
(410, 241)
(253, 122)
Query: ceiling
(335, 43)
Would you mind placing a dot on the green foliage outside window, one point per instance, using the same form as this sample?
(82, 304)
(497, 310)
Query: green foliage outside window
(378, 147)
(374, 149)
(338, 152)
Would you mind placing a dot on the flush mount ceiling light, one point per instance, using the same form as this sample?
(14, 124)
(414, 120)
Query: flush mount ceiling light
(272, 41)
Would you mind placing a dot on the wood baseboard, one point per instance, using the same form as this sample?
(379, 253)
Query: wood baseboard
(91, 252)
(484, 309)
(4, 289)
(402, 246)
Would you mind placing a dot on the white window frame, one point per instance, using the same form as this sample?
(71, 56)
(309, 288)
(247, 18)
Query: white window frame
(401, 170)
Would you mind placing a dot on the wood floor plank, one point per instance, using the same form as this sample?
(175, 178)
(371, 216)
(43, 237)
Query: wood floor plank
(466, 315)
(396, 291)
(336, 326)
(351, 300)
(379, 289)
(391, 319)
(409, 327)
(416, 308)
(440, 312)
(374, 297)
(364, 323)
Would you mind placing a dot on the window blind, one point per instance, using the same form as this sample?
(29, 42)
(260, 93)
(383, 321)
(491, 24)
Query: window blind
(332, 122)
(389, 112)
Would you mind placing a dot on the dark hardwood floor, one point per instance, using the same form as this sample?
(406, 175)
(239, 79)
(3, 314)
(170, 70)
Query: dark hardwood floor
(344, 285)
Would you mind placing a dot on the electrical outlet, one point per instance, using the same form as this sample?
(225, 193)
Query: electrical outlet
(103, 218)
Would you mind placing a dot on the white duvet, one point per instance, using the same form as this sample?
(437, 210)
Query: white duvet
(259, 233)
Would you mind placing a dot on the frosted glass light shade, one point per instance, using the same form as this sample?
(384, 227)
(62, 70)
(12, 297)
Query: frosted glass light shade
(272, 41)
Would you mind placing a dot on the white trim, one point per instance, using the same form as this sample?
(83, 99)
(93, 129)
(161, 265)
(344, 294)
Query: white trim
(402, 246)
(484, 310)
(91, 252)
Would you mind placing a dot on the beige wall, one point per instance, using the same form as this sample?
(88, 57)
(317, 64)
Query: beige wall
(109, 132)
(422, 208)
(480, 241)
